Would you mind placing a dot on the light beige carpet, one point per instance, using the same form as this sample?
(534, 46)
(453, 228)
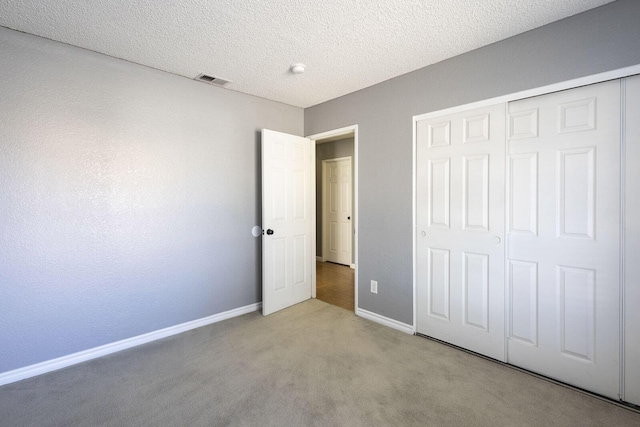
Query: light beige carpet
(310, 365)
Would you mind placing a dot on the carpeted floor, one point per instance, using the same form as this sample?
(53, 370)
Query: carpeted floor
(313, 364)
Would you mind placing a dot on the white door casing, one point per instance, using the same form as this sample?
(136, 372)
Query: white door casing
(288, 219)
(337, 228)
(460, 225)
(632, 242)
(563, 225)
(341, 133)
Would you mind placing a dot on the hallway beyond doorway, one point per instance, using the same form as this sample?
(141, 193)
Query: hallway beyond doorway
(334, 284)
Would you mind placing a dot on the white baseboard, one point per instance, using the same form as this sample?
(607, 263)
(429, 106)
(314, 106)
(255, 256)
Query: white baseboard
(319, 258)
(103, 350)
(374, 317)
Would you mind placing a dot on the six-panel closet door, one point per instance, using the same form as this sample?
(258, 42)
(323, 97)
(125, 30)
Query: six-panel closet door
(460, 219)
(563, 225)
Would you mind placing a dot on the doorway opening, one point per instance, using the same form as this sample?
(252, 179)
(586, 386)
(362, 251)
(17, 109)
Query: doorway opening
(335, 278)
(334, 284)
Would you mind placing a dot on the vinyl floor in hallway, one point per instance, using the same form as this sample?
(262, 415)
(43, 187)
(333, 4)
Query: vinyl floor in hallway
(335, 284)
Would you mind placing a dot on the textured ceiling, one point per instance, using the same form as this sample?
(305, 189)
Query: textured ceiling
(346, 44)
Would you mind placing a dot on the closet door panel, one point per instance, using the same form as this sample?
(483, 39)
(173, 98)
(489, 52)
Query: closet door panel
(564, 236)
(460, 219)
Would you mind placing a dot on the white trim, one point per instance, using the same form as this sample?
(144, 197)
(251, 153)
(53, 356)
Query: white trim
(103, 350)
(319, 258)
(353, 266)
(543, 90)
(623, 227)
(506, 224)
(323, 135)
(414, 214)
(335, 132)
(391, 323)
(314, 219)
(356, 216)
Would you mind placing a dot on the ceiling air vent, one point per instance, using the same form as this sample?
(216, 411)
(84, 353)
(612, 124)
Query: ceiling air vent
(216, 81)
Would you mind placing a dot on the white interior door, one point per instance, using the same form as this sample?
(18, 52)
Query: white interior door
(632, 243)
(336, 210)
(564, 236)
(288, 208)
(460, 220)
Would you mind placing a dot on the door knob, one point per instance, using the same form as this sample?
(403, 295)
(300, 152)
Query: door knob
(424, 234)
(496, 240)
(348, 217)
(269, 232)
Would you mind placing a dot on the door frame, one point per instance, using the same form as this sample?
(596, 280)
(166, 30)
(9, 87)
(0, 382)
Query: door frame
(325, 234)
(344, 131)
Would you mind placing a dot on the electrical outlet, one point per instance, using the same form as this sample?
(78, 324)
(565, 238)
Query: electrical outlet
(374, 287)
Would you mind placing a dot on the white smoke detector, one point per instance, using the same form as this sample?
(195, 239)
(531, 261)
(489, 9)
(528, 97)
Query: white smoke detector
(297, 68)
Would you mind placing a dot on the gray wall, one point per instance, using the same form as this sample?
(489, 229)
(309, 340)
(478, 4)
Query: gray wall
(599, 40)
(127, 197)
(325, 151)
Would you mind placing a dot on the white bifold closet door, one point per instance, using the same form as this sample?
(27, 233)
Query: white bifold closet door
(563, 225)
(460, 220)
